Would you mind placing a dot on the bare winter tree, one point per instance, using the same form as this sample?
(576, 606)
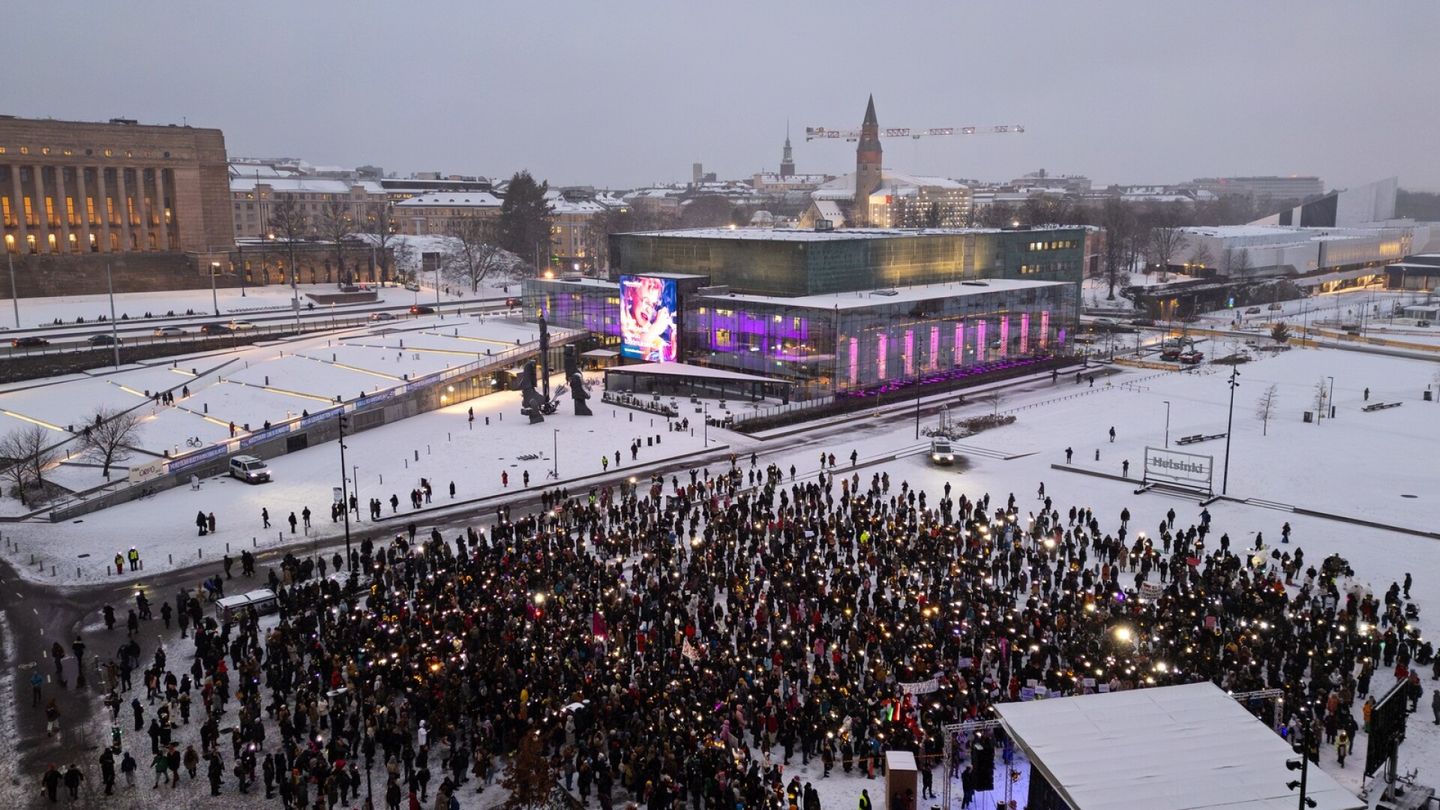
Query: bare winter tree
(30, 452)
(994, 397)
(472, 256)
(529, 777)
(108, 437)
(336, 224)
(380, 221)
(288, 221)
(1321, 394)
(1165, 244)
(1202, 257)
(1236, 262)
(1265, 408)
(1119, 222)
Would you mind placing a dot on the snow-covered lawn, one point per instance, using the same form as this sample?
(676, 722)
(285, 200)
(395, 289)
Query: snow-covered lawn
(441, 446)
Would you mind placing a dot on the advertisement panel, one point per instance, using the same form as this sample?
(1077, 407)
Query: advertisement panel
(649, 319)
(148, 471)
(1174, 467)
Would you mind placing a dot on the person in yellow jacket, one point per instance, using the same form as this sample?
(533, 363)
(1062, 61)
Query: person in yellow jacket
(1342, 745)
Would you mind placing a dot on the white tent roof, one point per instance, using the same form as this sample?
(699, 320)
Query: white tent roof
(1185, 747)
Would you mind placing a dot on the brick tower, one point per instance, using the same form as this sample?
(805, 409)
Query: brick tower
(867, 166)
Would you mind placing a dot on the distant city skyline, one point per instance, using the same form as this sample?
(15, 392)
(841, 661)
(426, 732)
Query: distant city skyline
(629, 94)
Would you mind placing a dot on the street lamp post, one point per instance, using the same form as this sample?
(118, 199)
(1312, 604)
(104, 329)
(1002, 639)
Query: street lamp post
(15, 299)
(214, 300)
(1230, 428)
(705, 427)
(1330, 397)
(555, 452)
(355, 487)
(344, 487)
(1167, 423)
(114, 328)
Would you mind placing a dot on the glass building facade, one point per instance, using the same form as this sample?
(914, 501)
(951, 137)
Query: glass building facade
(845, 344)
(801, 262)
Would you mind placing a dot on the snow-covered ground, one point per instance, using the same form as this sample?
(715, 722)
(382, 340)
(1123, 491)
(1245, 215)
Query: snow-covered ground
(1378, 466)
(36, 312)
(251, 385)
(442, 446)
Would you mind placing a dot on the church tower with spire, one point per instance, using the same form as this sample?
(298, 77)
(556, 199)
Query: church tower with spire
(867, 166)
(787, 158)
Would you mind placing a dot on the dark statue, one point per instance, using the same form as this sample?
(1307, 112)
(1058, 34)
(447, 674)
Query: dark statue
(578, 394)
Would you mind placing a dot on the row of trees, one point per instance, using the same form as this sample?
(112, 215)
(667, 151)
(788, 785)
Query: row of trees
(523, 229)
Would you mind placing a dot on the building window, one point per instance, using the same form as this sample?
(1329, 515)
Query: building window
(24, 150)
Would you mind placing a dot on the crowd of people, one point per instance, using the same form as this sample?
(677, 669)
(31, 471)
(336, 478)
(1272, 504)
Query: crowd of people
(686, 642)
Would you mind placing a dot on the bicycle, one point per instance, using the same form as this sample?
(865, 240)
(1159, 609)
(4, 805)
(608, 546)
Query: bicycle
(194, 441)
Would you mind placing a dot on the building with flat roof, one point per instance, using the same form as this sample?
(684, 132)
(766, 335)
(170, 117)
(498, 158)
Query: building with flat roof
(836, 312)
(438, 212)
(792, 261)
(1274, 187)
(149, 200)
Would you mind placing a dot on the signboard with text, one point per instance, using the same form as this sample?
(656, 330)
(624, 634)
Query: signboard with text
(1175, 467)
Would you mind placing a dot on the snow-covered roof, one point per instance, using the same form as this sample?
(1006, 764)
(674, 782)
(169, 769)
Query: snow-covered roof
(564, 206)
(870, 298)
(896, 181)
(455, 199)
(1189, 747)
(830, 210)
(304, 185)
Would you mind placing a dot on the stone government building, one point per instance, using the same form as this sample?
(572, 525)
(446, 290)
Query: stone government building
(151, 201)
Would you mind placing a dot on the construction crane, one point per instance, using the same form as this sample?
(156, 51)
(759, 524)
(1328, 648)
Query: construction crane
(814, 133)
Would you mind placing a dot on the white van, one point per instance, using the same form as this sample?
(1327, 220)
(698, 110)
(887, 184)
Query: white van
(249, 469)
(232, 607)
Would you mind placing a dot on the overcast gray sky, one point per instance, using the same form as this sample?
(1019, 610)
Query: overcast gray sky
(624, 93)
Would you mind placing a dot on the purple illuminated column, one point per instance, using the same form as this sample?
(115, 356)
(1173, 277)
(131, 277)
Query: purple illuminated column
(959, 351)
(1025, 333)
(1044, 328)
(880, 346)
(934, 359)
(982, 349)
(908, 357)
(1004, 336)
(854, 361)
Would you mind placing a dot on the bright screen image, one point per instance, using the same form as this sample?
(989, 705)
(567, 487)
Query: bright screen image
(648, 319)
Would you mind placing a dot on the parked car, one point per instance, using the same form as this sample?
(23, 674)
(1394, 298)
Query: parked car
(941, 452)
(1423, 324)
(1191, 358)
(1170, 353)
(1276, 306)
(29, 342)
(412, 286)
(382, 316)
(168, 331)
(240, 326)
(103, 339)
(512, 302)
(1252, 310)
(215, 329)
(421, 309)
(249, 469)
(1142, 321)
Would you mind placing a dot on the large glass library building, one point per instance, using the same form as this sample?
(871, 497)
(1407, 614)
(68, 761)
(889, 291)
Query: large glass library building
(954, 318)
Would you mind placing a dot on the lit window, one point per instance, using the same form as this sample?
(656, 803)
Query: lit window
(24, 150)
(44, 150)
(109, 153)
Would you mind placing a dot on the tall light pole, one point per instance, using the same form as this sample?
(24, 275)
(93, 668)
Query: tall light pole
(14, 299)
(555, 452)
(1167, 423)
(1230, 428)
(214, 300)
(705, 427)
(1330, 398)
(355, 487)
(344, 486)
(114, 328)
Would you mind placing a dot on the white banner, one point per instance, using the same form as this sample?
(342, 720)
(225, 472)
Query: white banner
(148, 471)
(1151, 591)
(920, 687)
(1175, 467)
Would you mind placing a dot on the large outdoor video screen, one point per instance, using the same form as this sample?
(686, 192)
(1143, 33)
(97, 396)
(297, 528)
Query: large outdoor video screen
(649, 319)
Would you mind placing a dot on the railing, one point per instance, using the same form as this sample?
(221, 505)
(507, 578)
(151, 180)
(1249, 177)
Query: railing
(178, 464)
